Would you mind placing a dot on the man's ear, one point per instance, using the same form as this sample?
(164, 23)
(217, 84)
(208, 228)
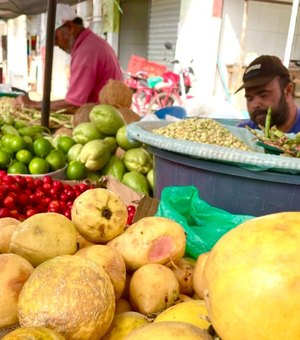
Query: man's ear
(289, 89)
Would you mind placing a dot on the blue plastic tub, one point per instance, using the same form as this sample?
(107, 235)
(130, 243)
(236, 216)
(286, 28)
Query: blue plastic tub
(226, 186)
(175, 111)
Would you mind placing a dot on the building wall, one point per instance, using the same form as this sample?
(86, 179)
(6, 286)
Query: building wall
(133, 36)
(266, 30)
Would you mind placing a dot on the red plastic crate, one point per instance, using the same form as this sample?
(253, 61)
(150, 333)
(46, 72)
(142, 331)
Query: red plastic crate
(137, 64)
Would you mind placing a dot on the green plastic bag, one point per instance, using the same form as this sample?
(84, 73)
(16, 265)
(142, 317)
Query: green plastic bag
(203, 223)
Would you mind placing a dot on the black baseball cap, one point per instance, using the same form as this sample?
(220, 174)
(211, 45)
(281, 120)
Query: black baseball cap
(262, 70)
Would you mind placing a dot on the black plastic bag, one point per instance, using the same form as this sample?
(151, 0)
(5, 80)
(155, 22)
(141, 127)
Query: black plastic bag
(203, 223)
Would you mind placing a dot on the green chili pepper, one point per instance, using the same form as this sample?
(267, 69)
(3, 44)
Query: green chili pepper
(31, 130)
(268, 122)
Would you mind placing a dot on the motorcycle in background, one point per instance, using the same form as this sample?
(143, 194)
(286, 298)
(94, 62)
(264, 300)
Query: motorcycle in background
(184, 74)
(153, 92)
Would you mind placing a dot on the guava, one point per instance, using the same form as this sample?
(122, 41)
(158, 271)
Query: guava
(106, 118)
(136, 181)
(95, 154)
(138, 159)
(85, 132)
(124, 142)
(74, 152)
(150, 178)
(115, 167)
(112, 142)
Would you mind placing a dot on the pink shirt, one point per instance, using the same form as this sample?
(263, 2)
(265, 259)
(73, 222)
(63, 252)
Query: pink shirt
(93, 63)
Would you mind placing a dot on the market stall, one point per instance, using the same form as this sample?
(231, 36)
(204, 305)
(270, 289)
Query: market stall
(87, 253)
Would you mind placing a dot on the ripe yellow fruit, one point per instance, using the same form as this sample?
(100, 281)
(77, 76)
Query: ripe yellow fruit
(123, 324)
(122, 305)
(111, 261)
(99, 215)
(33, 333)
(6, 233)
(153, 288)
(15, 270)
(184, 272)
(252, 279)
(192, 311)
(44, 236)
(168, 330)
(198, 281)
(155, 240)
(82, 242)
(182, 298)
(69, 294)
(7, 227)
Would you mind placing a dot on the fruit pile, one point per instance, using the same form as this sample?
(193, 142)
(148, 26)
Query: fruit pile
(102, 146)
(25, 151)
(95, 148)
(108, 291)
(137, 282)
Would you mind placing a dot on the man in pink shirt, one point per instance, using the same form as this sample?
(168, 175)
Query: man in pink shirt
(93, 63)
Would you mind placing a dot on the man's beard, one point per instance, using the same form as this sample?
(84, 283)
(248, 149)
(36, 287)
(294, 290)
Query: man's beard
(278, 114)
(70, 45)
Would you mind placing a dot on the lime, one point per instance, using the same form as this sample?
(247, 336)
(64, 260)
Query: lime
(38, 165)
(42, 147)
(6, 141)
(24, 156)
(5, 159)
(56, 159)
(64, 143)
(19, 124)
(17, 168)
(17, 143)
(76, 171)
(29, 143)
(37, 135)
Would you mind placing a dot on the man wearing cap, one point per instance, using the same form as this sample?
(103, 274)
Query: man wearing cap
(93, 63)
(267, 83)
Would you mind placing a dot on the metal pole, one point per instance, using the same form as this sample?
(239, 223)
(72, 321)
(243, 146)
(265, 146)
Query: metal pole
(51, 13)
(290, 37)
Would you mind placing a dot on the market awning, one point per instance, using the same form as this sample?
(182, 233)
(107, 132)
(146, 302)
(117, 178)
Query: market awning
(10, 9)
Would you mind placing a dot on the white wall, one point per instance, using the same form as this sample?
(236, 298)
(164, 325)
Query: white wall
(17, 70)
(198, 39)
(266, 30)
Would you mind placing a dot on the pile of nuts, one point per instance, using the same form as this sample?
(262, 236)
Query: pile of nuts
(203, 130)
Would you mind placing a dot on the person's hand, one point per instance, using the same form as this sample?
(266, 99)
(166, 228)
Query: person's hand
(22, 101)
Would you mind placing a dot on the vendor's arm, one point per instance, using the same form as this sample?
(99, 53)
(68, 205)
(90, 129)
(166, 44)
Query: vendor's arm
(55, 105)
